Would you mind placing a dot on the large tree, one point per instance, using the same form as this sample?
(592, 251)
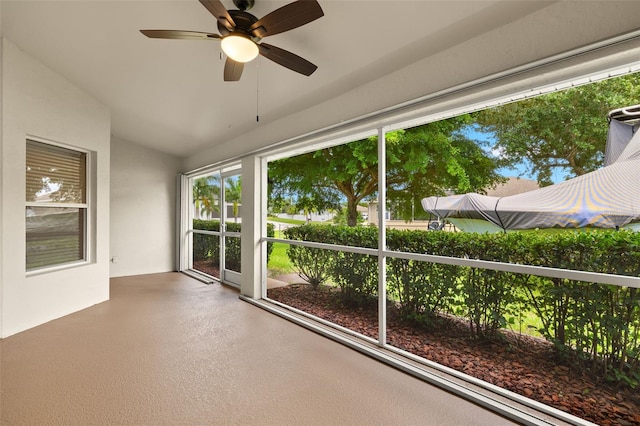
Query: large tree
(564, 131)
(422, 161)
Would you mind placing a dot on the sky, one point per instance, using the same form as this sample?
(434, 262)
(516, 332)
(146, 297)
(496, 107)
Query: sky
(519, 170)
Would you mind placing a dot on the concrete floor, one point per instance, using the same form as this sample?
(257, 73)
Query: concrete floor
(167, 349)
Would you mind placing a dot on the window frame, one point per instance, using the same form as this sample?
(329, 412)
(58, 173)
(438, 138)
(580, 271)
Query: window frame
(418, 366)
(83, 208)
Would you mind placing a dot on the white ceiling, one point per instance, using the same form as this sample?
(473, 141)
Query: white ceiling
(170, 94)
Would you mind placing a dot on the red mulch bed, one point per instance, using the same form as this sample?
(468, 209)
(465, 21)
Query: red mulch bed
(207, 267)
(523, 364)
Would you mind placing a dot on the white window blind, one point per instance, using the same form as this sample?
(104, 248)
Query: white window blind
(56, 205)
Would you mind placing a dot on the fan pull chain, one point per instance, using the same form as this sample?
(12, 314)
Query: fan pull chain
(258, 91)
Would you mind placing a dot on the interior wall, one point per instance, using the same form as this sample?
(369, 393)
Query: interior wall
(560, 27)
(39, 102)
(143, 206)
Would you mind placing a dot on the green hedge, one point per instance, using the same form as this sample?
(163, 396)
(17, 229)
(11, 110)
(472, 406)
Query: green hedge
(207, 247)
(356, 274)
(595, 326)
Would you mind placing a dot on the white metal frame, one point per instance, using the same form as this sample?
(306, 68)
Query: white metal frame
(227, 276)
(184, 261)
(382, 238)
(580, 66)
(382, 253)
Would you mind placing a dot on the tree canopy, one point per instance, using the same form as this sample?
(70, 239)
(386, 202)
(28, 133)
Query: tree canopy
(422, 161)
(564, 130)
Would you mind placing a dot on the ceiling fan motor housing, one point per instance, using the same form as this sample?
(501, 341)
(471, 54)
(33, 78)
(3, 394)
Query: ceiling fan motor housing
(243, 4)
(243, 20)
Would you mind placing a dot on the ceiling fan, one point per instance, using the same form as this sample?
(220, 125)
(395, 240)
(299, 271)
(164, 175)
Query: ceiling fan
(241, 34)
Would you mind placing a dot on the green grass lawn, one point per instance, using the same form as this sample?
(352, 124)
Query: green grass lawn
(279, 263)
(287, 221)
(296, 221)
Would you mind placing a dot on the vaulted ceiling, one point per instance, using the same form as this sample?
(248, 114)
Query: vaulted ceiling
(170, 94)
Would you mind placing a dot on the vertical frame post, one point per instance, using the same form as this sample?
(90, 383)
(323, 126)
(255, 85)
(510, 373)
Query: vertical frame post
(252, 248)
(382, 239)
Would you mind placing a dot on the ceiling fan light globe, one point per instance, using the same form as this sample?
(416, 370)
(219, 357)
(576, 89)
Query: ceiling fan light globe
(239, 48)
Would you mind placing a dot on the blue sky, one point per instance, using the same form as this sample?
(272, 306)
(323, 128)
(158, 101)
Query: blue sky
(520, 170)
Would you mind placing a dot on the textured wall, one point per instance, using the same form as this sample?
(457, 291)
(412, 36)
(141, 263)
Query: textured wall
(37, 102)
(143, 206)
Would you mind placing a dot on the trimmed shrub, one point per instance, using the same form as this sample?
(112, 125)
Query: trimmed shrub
(596, 327)
(422, 289)
(312, 264)
(356, 274)
(207, 247)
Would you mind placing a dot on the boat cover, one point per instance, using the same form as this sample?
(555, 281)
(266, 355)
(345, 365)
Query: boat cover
(605, 198)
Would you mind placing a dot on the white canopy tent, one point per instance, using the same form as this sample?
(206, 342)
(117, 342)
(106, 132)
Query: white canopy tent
(605, 198)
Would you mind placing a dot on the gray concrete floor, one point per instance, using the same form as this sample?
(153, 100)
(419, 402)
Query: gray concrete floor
(167, 349)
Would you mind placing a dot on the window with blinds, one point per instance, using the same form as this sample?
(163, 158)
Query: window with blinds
(56, 205)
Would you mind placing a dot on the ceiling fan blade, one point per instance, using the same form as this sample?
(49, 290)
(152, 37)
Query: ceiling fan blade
(287, 59)
(286, 18)
(217, 9)
(179, 34)
(232, 70)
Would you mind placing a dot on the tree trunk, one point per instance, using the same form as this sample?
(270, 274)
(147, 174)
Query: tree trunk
(352, 212)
